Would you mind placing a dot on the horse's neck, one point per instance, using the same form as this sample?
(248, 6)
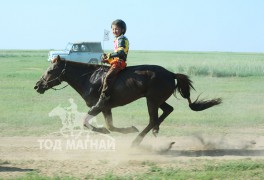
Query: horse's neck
(77, 75)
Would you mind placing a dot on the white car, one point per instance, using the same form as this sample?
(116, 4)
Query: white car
(85, 52)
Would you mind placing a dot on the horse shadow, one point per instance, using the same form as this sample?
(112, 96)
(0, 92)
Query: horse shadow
(168, 150)
(215, 152)
(14, 169)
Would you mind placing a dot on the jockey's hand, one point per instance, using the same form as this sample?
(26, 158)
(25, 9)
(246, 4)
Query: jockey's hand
(104, 56)
(104, 61)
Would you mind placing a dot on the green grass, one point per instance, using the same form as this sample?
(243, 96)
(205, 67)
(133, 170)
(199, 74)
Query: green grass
(221, 170)
(213, 64)
(25, 112)
(194, 169)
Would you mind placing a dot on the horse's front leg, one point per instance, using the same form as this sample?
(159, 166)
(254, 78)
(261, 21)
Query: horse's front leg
(109, 123)
(87, 123)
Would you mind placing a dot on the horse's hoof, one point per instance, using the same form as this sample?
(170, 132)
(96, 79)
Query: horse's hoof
(101, 130)
(134, 129)
(87, 126)
(170, 146)
(166, 148)
(134, 144)
(105, 131)
(155, 132)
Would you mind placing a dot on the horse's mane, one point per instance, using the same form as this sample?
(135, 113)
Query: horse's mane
(84, 65)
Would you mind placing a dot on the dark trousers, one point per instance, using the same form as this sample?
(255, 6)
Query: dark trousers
(109, 80)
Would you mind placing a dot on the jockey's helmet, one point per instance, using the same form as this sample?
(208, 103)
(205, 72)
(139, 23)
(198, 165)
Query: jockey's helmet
(120, 23)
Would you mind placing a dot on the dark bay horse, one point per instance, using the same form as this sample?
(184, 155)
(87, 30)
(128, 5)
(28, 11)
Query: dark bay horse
(153, 82)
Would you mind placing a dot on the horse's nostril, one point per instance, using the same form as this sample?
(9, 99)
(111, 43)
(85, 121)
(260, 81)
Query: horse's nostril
(36, 87)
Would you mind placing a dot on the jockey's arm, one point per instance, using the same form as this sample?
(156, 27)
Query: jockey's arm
(120, 53)
(122, 50)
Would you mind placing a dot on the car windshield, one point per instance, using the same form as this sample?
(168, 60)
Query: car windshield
(68, 47)
(94, 47)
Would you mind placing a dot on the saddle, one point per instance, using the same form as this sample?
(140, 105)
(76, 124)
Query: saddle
(96, 81)
(98, 76)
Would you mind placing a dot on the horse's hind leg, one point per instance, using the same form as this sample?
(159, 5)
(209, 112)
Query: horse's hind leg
(109, 123)
(167, 109)
(153, 115)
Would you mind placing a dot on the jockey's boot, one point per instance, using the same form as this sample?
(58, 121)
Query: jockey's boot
(97, 108)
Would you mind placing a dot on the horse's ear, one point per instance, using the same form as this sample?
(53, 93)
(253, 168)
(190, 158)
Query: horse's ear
(56, 59)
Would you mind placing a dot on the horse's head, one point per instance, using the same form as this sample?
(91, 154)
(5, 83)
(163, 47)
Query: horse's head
(52, 77)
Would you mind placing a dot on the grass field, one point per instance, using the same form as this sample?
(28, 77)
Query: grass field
(238, 78)
(24, 112)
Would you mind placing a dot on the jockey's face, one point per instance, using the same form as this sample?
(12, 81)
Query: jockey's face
(117, 31)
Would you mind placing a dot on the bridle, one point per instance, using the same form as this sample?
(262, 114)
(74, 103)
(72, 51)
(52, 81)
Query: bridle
(58, 78)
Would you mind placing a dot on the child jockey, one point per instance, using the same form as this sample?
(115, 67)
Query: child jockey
(117, 61)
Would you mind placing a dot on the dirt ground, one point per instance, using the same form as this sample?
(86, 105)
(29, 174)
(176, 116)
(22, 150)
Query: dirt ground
(56, 156)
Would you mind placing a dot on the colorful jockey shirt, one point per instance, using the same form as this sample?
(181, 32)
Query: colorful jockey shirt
(121, 47)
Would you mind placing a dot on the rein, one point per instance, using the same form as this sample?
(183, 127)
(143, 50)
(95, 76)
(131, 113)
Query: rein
(56, 89)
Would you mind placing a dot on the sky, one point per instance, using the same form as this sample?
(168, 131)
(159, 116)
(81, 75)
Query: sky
(166, 25)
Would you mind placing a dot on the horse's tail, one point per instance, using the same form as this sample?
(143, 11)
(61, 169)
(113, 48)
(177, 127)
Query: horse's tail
(184, 86)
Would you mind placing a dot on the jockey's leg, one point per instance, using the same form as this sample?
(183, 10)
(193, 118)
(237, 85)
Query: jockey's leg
(105, 94)
(109, 80)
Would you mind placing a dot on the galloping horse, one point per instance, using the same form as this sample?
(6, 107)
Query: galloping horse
(153, 82)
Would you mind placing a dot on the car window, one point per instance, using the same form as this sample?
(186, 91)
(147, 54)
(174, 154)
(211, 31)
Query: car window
(94, 47)
(84, 48)
(76, 47)
(68, 47)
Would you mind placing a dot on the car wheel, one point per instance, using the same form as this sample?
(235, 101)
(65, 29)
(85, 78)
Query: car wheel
(93, 61)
